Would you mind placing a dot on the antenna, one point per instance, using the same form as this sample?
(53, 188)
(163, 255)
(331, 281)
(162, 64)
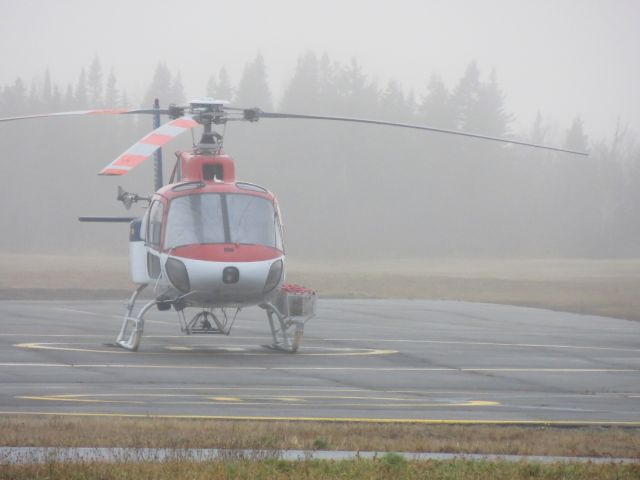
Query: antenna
(157, 155)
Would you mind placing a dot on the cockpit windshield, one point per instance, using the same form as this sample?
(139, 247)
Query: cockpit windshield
(222, 218)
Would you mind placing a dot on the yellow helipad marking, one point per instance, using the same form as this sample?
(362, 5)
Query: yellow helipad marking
(371, 401)
(482, 403)
(53, 346)
(420, 421)
(74, 398)
(213, 349)
(51, 335)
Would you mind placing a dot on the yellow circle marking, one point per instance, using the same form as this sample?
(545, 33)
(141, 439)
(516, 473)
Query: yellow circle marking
(231, 350)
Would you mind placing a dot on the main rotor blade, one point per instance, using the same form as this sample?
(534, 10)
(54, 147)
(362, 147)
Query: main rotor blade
(256, 113)
(103, 111)
(143, 149)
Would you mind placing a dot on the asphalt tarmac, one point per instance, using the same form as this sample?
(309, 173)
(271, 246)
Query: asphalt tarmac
(360, 360)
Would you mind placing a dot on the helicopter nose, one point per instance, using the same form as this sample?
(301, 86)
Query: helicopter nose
(217, 283)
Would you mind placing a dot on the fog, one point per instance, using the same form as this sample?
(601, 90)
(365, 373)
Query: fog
(559, 72)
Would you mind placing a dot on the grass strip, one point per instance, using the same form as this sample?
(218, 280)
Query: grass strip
(389, 466)
(69, 431)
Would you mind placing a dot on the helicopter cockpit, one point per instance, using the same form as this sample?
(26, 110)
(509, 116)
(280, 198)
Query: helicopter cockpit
(218, 218)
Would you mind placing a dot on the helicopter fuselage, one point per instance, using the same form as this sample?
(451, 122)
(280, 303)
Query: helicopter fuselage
(207, 240)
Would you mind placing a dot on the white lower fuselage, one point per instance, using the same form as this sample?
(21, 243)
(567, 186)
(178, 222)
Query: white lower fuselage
(207, 283)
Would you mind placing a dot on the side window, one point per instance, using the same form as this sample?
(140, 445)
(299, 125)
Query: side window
(144, 225)
(155, 224)
(279, 243)
(279, 228)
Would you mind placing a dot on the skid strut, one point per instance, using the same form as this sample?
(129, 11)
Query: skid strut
(133, 327)
(290, 309)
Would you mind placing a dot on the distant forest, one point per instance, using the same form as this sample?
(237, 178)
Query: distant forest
(346, 191)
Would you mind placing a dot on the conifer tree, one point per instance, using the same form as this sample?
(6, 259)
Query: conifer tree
(111, 97)
(393, 105)
(212, 86)
(80, 94)
(357, 95)
(124, 99)
(487, 113)
(94, 83)
(69, 102)
(161, 87)
(327, 92)
(411, 102)
(56, 98)
(35, 101)
(224, 90)
(253, 89)
(219, 87)
(47, 90)
(575, 137)
(539, 130)
(436, 108)
(302, 92)
(465, 95)
(177, 94)
(14, 98)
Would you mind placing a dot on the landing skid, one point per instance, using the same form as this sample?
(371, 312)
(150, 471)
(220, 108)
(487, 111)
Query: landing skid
(133, 327)
(291, 308)
(287, 312)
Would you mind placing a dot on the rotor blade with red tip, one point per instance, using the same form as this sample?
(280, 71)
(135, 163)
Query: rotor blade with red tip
(102, 111)
(144, 148)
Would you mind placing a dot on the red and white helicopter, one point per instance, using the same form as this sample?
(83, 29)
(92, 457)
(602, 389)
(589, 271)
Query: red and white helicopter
(208, 241)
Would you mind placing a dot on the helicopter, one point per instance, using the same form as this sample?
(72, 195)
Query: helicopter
(208, 241)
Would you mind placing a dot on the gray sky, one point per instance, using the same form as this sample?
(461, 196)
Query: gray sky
(562, 57)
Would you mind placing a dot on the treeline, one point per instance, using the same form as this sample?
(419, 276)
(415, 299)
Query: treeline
(345, 190)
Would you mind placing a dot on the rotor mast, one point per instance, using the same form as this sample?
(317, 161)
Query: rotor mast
(207, 112)
(210, 141)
